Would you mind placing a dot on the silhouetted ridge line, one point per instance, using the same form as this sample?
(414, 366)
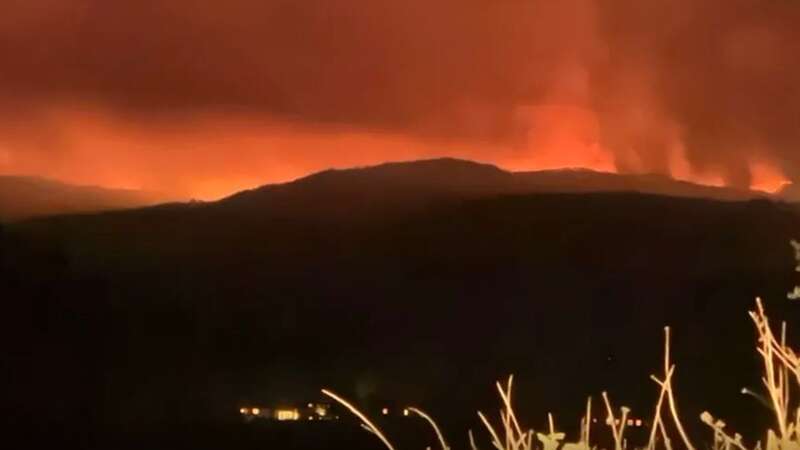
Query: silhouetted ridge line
(415, 180)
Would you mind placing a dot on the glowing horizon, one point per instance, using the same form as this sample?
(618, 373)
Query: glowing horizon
(203, 99)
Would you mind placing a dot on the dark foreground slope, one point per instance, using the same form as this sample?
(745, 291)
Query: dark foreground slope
(166, 317)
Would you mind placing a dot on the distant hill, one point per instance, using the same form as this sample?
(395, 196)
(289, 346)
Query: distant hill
(790, 192)
(367, 190)
(23, 197)
(418, 182)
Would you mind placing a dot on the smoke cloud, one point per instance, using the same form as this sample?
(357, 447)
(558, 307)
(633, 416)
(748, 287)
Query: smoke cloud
(203, 97)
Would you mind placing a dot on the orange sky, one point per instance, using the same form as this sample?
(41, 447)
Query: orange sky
(209, 156)
(201, 97)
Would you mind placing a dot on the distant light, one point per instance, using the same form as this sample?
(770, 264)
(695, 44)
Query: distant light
(630, 422)
(243, 410)
(405, 412)
(256, 411)
(385, 411)
(310, 405)
(287, 414)
(638, 422)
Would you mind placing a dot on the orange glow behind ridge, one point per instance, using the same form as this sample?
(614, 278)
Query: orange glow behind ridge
(211, 157)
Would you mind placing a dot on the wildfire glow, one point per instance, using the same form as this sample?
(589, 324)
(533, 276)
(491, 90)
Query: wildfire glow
(209, 157)
(766, 177)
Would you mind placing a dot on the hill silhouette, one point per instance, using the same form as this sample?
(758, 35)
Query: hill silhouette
(390, 282)
(415, 183)
(790, 192)
(384, 188)
(23, 197)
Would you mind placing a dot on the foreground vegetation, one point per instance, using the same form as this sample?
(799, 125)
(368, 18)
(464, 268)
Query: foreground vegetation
(781, 379)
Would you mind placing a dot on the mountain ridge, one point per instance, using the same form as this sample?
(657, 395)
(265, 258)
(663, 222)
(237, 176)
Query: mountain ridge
(374, 189)
(398, 184)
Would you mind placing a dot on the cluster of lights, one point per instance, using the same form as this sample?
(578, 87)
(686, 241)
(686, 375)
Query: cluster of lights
(319, 411)
(287, 414)
(316, 411)
(250, 411)
(322, 411)
(630, 422)
(385, 411)
(280, 414)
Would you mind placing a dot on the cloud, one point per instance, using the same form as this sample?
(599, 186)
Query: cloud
(625, 83)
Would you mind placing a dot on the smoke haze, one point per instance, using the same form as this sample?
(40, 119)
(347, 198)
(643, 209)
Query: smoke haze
(204, 97)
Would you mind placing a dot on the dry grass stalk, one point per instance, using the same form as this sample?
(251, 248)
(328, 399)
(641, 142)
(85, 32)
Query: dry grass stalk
(668, 396)
(513, 436)
(366, 423)
(722, 441)
(435, 427)
(472, 441)
(586, 424)
(658, 424)
(617, 425)
(780, 364)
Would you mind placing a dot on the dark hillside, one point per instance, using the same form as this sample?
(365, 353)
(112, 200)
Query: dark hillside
(178, 314)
